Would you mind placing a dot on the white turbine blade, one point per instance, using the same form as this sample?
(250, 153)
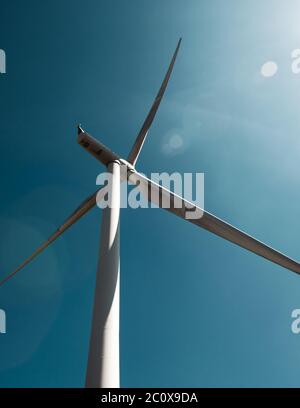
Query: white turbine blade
(184, 209)
(138, 144)
(84, 207)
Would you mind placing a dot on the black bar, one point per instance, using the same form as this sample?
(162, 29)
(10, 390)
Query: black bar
(140, 396)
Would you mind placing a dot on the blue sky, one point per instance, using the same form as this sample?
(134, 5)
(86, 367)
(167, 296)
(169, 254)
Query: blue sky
(195, 310)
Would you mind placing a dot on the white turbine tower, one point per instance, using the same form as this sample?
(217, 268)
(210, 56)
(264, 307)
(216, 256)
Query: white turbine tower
(103, 360)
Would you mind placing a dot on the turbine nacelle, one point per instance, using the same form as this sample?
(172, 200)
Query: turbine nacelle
(102, 153)
(178, 205)
(103, 361)
(96, 148)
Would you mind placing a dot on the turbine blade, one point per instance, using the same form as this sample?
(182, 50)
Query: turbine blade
(184, 209)
(84, 207)
(138, 144)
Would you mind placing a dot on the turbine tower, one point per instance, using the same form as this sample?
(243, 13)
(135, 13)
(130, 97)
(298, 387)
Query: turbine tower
(103, 359)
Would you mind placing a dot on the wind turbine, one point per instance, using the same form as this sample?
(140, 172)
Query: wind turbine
(103, 360)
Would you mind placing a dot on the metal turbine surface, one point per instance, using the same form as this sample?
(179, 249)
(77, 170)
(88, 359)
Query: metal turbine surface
(103, 361)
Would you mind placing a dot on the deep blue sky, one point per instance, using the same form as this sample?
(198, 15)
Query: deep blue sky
(196, 310)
